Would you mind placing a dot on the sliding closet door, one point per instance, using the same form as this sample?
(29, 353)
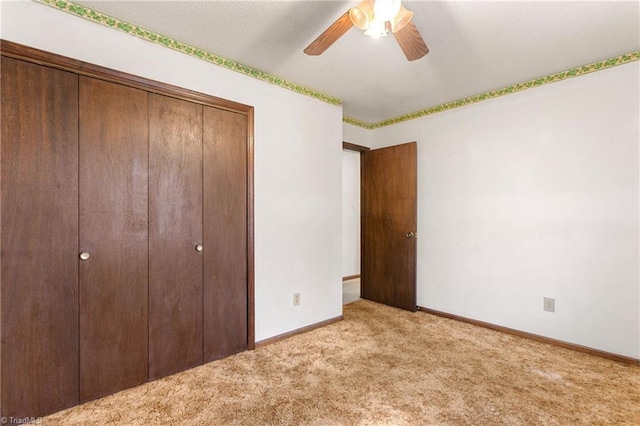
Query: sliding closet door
(114, 234)
(175, 235)
(225, 233)
(39, 239)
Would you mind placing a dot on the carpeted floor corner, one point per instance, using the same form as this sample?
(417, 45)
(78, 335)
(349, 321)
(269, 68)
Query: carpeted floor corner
(384, 366)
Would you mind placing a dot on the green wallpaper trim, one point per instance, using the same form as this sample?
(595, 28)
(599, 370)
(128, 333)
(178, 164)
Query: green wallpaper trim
(356, 122)
(92, 15)
(573, 72)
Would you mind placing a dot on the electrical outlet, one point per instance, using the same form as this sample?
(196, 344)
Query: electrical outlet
(296, 299)
(549, 304)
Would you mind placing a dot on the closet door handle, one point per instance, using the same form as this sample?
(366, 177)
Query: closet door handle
(84, 255)
(199, 247)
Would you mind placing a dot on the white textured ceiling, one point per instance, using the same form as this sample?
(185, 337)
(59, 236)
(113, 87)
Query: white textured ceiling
(475, 46)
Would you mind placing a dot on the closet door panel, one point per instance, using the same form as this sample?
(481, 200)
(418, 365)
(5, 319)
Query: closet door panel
(39, 239)
(175, 230)
(114, 232)
(225, 233)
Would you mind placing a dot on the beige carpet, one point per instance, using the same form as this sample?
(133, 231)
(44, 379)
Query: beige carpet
(384, 366)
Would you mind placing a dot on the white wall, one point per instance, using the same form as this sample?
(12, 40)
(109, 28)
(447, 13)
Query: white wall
(356, 135)
(530, 195)
(350, 213)
(298, 159)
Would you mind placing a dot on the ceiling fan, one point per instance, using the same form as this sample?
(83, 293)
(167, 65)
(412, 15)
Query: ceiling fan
(377, 18)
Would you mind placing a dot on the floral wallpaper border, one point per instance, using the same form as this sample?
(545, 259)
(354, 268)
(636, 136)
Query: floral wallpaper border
(356, 122)
(92, 15)
(573, 72)
(101, 18)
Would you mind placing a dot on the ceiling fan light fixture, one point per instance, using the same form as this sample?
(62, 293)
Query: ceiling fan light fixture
(401, 19)
(377, 18)
(362, 14)
(377, 28)
(386, 10)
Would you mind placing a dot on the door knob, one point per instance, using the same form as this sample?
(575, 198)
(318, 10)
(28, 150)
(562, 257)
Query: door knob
(84, 255)
(410, 235)
(199, 247)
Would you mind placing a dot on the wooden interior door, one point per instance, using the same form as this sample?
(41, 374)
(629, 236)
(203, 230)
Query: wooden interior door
(225, 233)
(175, 234)
(114, 232)
(389, 225)
(39, 239)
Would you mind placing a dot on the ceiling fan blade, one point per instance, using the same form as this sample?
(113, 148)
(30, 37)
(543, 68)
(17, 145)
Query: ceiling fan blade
(330, 35)
(411, 42)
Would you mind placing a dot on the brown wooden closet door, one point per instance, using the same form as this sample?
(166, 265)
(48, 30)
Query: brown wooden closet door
(114, 231)
(225, 233)
(39, 239)
(175, 231)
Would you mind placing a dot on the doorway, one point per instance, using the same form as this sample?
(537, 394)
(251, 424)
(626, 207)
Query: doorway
(386, 209)
(351, 222)
(389, 226)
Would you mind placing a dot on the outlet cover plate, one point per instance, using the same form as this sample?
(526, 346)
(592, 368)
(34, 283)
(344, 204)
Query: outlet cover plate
(549, 304)
(296, 299)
